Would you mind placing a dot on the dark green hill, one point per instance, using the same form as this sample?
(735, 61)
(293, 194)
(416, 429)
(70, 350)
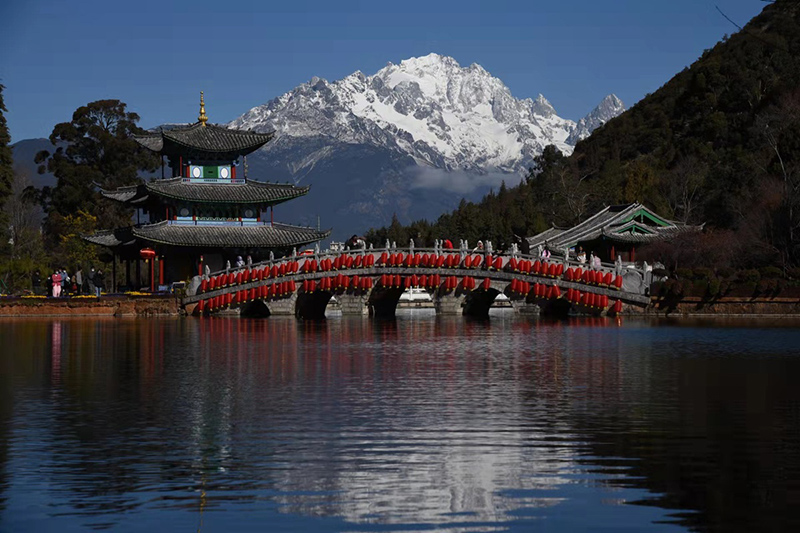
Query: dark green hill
(719, 143)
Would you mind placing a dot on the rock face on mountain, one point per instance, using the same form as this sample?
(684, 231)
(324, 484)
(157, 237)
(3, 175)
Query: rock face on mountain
(610, 107)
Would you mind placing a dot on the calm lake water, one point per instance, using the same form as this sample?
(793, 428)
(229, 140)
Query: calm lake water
(418, 423)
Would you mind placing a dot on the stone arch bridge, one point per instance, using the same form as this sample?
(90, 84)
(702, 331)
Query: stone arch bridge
(459, 282)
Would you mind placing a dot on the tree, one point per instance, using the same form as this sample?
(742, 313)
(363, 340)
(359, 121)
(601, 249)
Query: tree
(25, 251)
(75, 251)
(6, 165)
(95, 148)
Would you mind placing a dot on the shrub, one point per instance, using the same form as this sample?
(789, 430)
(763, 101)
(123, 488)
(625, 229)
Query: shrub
(794, 273)
(726, 272)
(771, 272)
(714, 287)
(703, 274)
(749, 277)
(768, 286)
(672, 287)
(699, 288)
(684, 273)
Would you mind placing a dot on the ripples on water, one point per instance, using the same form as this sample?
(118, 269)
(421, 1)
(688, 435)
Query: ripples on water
(410, 424)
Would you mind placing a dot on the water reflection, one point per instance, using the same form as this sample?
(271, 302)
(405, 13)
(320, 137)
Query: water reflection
(413, 423)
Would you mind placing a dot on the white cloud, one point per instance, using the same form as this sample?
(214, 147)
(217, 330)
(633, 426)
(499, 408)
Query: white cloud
(458, 181)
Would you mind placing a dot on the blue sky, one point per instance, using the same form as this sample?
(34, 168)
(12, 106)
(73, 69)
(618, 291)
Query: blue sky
(57, 55)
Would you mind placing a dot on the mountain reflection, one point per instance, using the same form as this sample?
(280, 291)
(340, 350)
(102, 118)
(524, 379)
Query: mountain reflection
(415, 423)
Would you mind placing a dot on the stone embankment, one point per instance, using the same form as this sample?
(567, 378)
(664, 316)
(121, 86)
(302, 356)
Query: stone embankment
(725, 306)
(107, 306)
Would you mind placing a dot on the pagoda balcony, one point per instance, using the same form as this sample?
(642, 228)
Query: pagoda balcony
(216, 181)
(190, 221)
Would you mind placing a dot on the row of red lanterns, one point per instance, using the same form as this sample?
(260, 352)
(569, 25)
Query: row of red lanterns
(248, 275)
(262, 292)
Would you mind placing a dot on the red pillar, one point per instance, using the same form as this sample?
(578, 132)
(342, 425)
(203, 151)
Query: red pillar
(161, 270)
(200, 267)
(152, 275)
(633, 254)
(613, 253)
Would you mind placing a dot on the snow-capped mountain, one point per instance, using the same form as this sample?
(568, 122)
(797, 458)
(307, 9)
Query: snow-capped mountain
(412, 140)
(430, 108)
(610, 107)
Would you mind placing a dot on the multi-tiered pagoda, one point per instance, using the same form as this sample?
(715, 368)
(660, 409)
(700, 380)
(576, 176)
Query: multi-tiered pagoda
(209, 211)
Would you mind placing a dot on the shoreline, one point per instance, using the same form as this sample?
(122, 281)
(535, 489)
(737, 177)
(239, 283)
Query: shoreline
(170, 305)
(106, 306)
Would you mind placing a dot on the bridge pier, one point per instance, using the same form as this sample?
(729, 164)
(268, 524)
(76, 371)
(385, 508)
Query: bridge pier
(451, 303)
(354, 304)
(523, 307)
(283, 306)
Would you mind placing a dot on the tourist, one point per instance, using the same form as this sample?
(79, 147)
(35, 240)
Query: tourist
(447, 244)
(64, 283)
(90, 281)
(99, 282)
(596, 262)
(78, 281)
(56, 278)
(36, 282)
(239, 262)
(581, 255)
(478, 248)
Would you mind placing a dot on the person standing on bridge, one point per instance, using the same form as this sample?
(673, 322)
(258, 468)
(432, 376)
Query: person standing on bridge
(545, 252)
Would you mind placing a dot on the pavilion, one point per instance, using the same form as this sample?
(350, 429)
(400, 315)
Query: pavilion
(204, 214)
(615, 231)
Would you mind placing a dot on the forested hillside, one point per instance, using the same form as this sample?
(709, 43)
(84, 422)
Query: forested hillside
(719, 143)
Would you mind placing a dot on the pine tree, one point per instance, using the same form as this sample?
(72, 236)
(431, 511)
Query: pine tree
(6, 168)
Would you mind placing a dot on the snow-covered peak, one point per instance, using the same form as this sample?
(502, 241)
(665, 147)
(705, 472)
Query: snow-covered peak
(608, 108)
(430, 107)
(541, 106)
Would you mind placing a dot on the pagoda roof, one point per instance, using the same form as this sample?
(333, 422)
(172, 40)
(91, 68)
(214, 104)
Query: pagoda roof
(208, 236)
(246, 192)
(629, 223)
(204, 141)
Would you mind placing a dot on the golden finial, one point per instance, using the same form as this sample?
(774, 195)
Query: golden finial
(202, 118)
